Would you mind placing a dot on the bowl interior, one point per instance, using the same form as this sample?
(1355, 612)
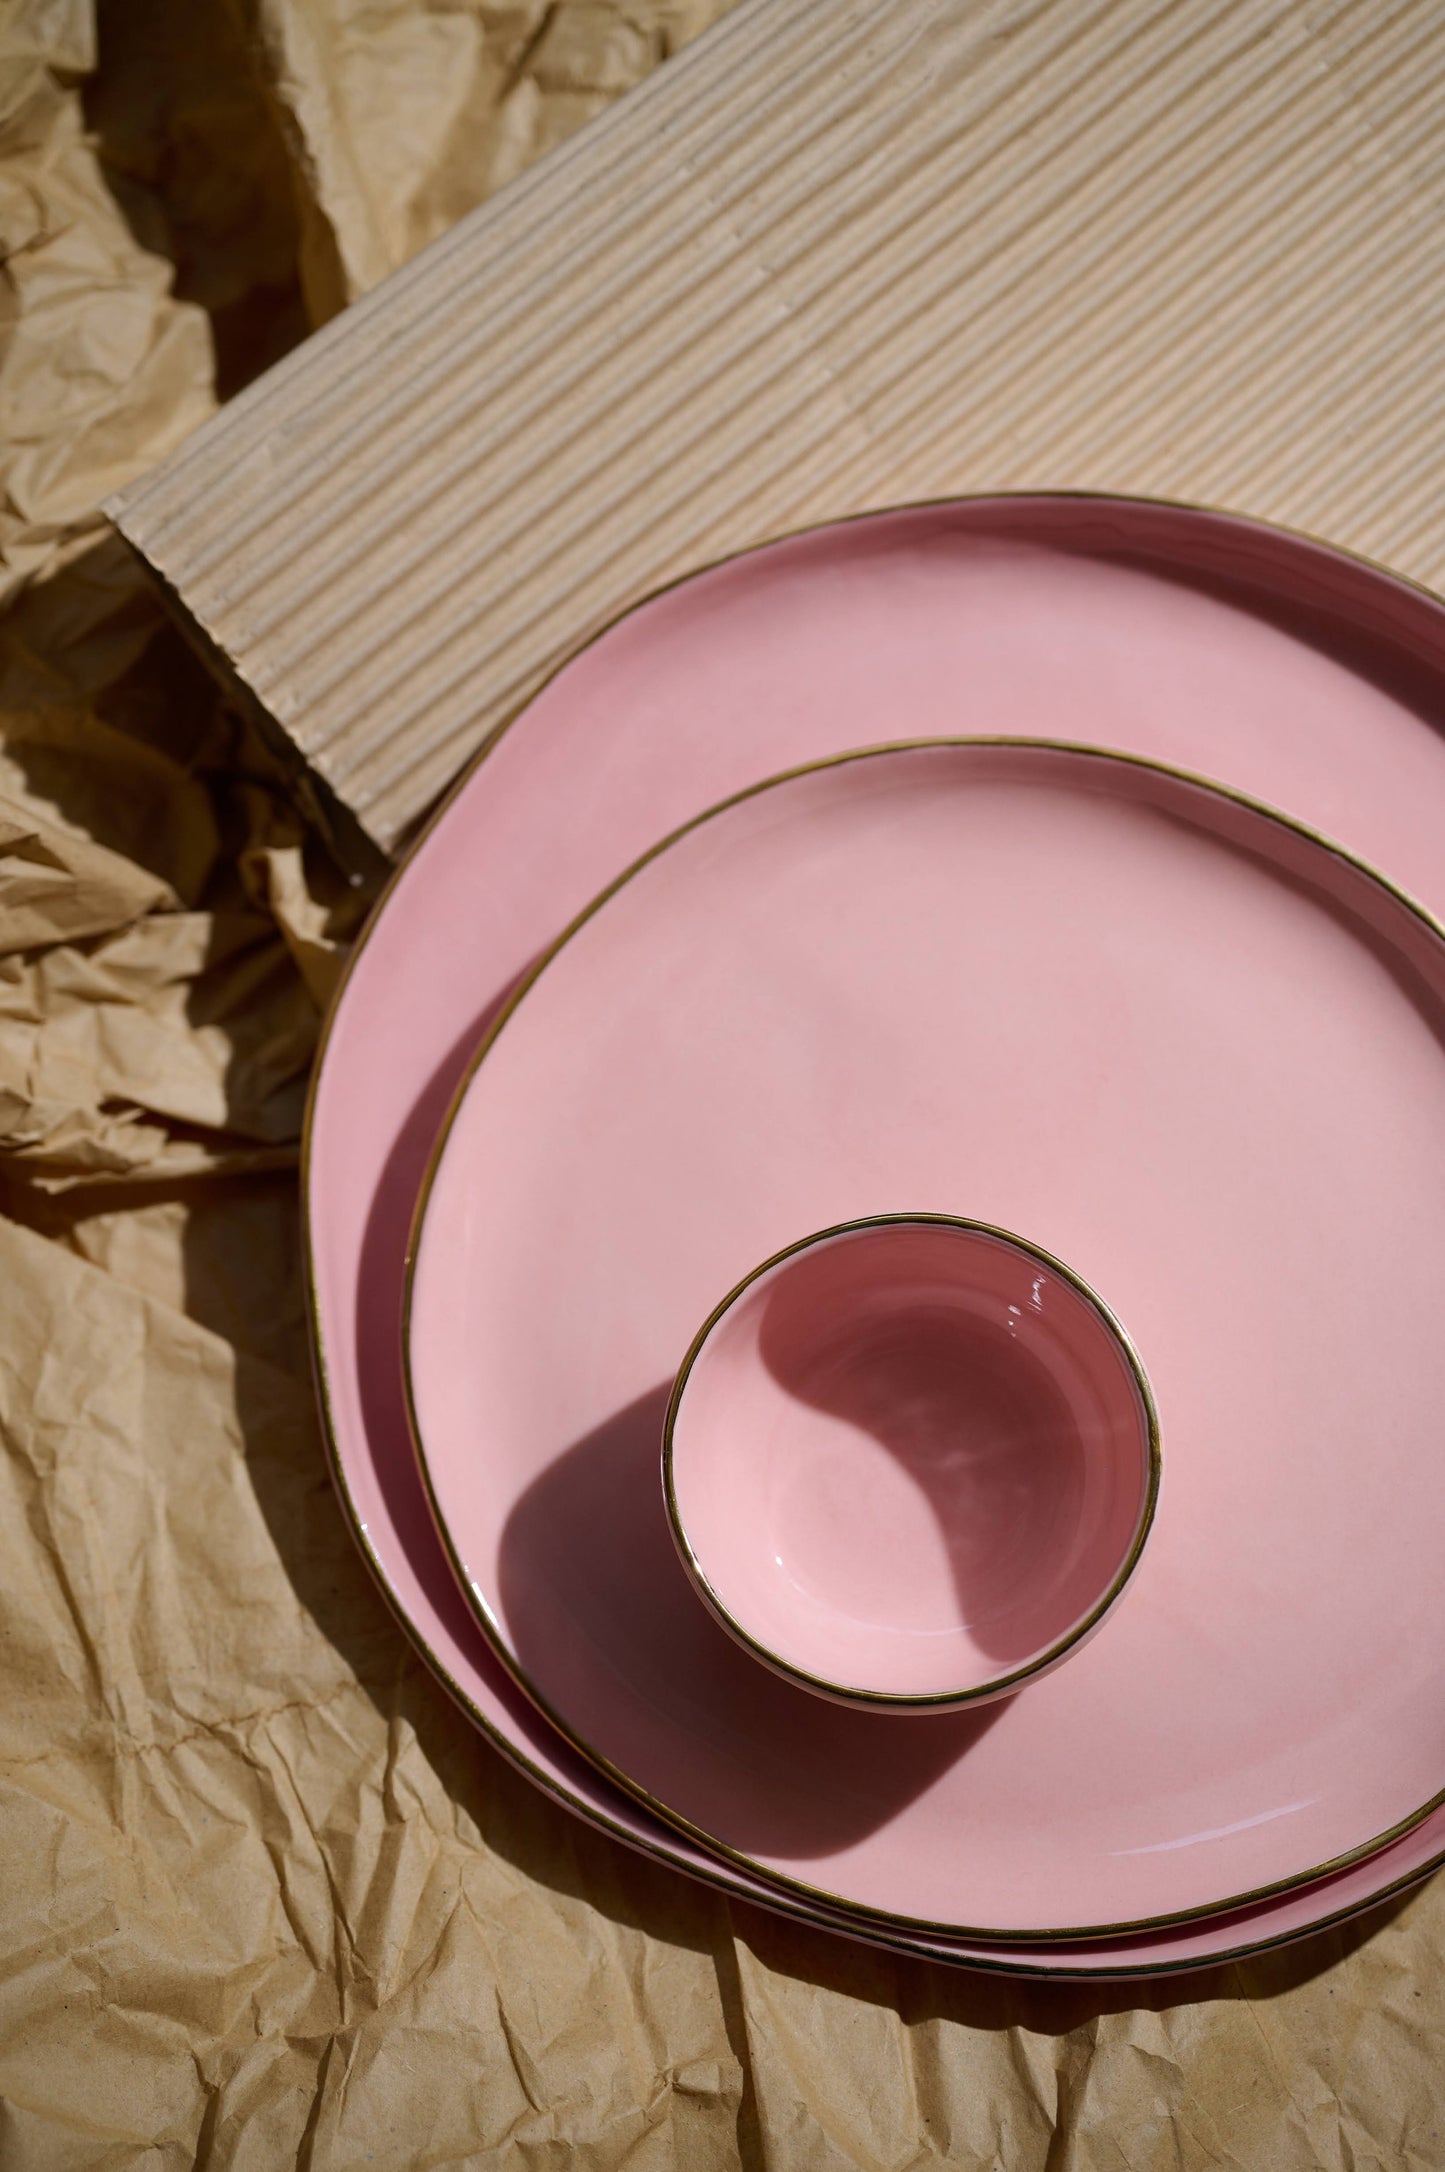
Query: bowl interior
(911, 1458)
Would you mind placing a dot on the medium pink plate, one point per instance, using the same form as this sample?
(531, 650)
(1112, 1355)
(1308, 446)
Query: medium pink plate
(1172, 1040)
(1297, 673)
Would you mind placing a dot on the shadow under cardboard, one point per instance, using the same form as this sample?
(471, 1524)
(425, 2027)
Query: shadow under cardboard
(196, 161)
(566, 1854)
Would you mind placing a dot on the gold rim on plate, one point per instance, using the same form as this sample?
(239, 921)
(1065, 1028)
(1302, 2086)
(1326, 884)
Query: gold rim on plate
(777, 1879)
(643, 1844)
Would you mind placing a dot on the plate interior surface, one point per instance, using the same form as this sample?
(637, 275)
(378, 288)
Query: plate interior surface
(1172, 1041)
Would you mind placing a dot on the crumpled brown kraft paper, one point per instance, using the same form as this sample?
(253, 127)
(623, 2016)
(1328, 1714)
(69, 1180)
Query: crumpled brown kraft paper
(406, 113)
(266, 1899)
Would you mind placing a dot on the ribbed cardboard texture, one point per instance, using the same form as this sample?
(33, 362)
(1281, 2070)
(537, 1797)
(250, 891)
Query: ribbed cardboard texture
(832, 256)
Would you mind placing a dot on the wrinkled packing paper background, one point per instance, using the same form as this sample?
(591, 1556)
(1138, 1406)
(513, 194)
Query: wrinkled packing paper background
(265, 1898)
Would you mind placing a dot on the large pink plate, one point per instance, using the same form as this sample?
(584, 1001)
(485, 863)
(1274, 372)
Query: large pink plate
(1179, 1044)
(1299, 675)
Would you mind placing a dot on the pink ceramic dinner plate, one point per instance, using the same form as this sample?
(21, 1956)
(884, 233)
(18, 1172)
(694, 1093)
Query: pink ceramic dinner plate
(1180, 1044)
(1295, 672)
(911, 1463)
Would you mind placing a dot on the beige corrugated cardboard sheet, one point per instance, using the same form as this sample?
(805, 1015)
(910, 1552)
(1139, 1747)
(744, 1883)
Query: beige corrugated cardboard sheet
(264, 1900)
(834, 255)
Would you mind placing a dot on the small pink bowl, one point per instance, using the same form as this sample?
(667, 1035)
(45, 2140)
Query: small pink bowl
(911, 1462)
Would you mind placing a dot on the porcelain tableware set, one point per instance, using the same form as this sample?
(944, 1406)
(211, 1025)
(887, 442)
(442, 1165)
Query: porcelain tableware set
(874, 1200)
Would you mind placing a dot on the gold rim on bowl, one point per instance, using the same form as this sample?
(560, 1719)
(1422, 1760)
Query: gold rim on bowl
(920, 1701)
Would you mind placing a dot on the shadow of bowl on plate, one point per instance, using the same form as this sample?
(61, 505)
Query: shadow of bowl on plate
(950, 1442)
(989, 1470)
(604, 1621)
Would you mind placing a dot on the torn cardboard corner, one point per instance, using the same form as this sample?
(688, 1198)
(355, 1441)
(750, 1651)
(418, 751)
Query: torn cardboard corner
(830, 257)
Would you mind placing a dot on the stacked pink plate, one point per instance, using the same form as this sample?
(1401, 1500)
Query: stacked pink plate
(1062, 865)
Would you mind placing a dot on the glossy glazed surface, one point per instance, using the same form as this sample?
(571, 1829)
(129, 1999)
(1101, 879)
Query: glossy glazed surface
(911, 1463)
(1189, 1051)
(1296, 673)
